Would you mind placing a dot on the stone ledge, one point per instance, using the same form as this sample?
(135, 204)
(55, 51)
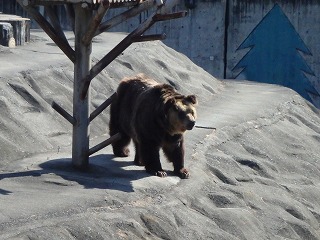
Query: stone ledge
(20, 28)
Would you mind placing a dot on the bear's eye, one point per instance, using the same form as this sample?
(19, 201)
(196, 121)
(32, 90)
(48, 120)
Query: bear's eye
(181, 114)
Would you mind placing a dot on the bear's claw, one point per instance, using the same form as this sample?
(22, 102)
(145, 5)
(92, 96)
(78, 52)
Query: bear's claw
(161, 174)
(184, 173)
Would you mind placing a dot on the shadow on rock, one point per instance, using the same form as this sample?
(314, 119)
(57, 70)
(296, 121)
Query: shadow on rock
(104, 172)
(4, 192)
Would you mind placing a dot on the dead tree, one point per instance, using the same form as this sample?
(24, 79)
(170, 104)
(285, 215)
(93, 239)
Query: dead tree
(87, 16)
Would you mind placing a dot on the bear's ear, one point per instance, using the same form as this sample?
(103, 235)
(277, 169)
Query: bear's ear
(192, 99)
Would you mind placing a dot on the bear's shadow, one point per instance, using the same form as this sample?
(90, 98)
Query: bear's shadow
(103, 172)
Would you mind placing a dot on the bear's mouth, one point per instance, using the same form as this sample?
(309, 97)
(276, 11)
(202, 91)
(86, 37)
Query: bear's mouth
(190, 125)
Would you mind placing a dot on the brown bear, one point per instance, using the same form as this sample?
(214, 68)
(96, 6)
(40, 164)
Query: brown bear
(154, 116)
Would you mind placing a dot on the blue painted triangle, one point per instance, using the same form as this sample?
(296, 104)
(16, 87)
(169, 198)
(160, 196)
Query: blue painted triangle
(274, 56)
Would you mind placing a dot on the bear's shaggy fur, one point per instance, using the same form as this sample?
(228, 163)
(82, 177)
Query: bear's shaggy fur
(154, 116)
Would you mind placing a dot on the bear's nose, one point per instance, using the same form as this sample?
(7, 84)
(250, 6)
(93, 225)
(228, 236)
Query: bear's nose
(191, 125)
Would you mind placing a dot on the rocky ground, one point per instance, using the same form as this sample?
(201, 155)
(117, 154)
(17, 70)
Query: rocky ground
(253, 157)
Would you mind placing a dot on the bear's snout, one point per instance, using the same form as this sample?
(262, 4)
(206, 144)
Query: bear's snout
(190, 124)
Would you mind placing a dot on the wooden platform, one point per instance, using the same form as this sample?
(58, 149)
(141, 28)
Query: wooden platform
(21, 27)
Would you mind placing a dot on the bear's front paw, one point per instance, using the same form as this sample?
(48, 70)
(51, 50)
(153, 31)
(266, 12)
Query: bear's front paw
(161, 174)
(183, 173)
(138, 162)
(122, 153)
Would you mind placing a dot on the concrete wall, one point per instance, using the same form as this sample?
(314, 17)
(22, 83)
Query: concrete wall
(248, 17)
(200, 35)
(217, 35)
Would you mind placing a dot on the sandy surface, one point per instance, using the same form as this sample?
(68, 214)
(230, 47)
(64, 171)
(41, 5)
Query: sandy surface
(257, 176)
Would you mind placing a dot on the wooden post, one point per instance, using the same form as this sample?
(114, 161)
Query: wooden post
(63, 113)
(124, 44)
(95, 22)
(105, 143)
(81, 130)
(102, 107)
(143, 6)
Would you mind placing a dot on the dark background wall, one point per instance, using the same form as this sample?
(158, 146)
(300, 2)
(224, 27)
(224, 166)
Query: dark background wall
(11, 7)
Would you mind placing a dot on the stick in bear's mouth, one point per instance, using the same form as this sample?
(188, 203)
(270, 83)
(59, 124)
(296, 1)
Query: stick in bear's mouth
(197, 126)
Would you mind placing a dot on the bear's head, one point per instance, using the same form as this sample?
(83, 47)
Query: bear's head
(181, 113)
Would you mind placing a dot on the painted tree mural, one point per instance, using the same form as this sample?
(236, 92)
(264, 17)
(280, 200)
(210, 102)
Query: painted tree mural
(274, 56)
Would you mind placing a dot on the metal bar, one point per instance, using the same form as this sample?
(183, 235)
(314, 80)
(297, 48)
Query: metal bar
(105, 143)
(103, 106)
(46, 26)
(105, 26)
(63, 113)
(95, 22)
(149, 38)
(81, 130)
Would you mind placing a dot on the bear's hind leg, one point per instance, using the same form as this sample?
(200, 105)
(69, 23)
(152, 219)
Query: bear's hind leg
(137, 159)
(120, 147)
